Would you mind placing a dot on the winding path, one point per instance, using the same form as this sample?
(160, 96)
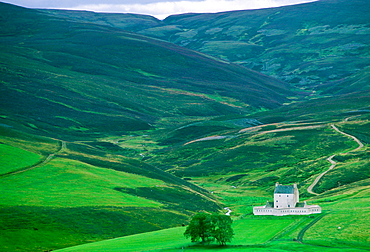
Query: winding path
(331, 161)
(63, 146)
(360, 145)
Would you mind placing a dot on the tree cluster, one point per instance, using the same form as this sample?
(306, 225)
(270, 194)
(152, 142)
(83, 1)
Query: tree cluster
(209, 227)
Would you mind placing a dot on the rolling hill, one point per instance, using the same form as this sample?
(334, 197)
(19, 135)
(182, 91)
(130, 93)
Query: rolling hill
(305, 45)
(57, 194)
(86, 79)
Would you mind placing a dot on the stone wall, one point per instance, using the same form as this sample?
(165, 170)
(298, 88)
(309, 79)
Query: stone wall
(307, 209)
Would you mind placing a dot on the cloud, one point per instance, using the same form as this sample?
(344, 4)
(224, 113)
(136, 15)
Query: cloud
(164, 9)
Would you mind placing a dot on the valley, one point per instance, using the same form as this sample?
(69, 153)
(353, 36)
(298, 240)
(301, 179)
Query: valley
(115, 129)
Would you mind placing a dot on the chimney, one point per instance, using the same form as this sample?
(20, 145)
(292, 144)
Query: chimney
(276, 184)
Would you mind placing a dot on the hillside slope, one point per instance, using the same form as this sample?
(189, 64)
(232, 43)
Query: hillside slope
(127, 21)
(57, 194)
(305, 45)
(73, 78)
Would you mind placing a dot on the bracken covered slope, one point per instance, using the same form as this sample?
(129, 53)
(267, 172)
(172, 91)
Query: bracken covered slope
(305, 45)
(64, 76)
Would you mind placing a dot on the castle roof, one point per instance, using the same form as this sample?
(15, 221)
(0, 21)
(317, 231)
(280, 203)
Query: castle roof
(285, 189)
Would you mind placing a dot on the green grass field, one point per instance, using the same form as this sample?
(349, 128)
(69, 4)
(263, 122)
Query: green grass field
(13, 158)
(269, 233)
(350, 213)
(170, 239)
(85, 184)
(66, 201)
(159, 240)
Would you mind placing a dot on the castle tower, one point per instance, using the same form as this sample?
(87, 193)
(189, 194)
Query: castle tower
(285, 196)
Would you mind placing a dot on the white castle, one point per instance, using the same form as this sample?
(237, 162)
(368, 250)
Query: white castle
(286, 202)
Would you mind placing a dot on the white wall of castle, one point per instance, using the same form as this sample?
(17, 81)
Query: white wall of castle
(284, 200)
(308, 209)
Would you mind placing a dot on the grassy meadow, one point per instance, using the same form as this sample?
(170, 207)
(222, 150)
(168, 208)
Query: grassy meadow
(347, 209)
(13, 158)
(48, 186)
(65, 201)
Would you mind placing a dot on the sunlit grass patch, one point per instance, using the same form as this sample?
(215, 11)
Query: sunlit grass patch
(258, 230)
(159, 240)
(341, 227)
(13, 158)
(68, 183)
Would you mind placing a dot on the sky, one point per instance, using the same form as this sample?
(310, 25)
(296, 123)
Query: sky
(158, 8)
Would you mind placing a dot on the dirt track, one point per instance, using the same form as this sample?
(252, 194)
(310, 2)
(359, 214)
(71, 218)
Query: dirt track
(331, 161)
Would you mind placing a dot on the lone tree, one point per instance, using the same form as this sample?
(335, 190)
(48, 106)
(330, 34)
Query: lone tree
(222, 231)
(207, 227)
(199, 228)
